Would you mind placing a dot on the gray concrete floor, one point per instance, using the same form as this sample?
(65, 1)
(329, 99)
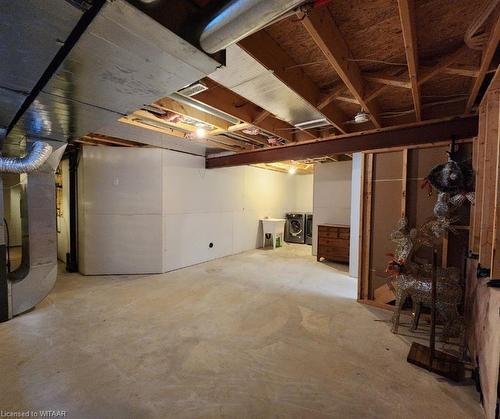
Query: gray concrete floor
(264, 334)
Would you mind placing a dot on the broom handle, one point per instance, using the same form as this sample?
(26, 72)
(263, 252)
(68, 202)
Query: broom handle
(433, 305)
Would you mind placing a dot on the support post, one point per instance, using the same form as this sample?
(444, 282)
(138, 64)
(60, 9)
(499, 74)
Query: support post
(72, 256)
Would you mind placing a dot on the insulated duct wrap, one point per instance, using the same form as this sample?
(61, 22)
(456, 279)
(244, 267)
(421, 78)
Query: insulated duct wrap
(240, 18)
(37, 156)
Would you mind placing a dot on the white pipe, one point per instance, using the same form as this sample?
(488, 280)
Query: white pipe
(240, 18)
(37, 156)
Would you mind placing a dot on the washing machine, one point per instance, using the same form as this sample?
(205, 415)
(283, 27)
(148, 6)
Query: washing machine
(295, 228)
(309, 229)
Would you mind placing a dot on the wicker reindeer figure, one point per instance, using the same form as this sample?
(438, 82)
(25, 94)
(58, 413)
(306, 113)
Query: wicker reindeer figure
(412, 278)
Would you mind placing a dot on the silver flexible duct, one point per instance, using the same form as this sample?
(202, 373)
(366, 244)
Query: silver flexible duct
(37, 156)
(240, 18)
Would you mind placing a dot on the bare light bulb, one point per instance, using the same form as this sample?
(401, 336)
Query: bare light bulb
(200, 133)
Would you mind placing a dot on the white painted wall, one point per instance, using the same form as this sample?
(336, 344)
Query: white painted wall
(355, 214)
(304, 193)
(332, 195)
(63, 219)
(152, 210)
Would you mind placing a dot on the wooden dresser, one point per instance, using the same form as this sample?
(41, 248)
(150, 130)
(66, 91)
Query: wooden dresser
(333, 242)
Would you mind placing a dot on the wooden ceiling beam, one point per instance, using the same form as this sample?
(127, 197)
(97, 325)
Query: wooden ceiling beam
(441, 66)
(395, 81)
(412, 134)
(331, 95)
(325, 33)
(106, 139)
(407, 17)
(171, 105)
(223, 99)
(487, 57)
(263, 48)
(261, 116)
(462, 70)
(173, 132)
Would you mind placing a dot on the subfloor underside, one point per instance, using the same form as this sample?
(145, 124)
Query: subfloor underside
(257, 335)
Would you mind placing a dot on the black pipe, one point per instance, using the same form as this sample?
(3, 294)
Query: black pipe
(72, 256)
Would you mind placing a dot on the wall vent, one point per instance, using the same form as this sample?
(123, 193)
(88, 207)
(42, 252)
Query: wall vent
(193, 89)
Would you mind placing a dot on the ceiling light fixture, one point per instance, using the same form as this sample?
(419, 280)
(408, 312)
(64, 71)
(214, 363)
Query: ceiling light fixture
(201, 133)
(292, 170)
(361, 117)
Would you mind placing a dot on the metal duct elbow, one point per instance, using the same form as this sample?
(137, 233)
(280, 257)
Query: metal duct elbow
(240, 18)
(37, 156)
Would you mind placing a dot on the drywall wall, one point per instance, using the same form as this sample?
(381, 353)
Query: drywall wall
(355, 221)
(332, 195)
(152, 210)
(221, 206)
(63, 214)
(304, 193)
(120, 211)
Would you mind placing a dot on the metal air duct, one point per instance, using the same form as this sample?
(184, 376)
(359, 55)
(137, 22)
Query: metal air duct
(240, 18)
(37, 156)
(35, 278)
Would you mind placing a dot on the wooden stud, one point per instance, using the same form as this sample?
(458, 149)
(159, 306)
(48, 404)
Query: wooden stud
(407, 16)
(489, 179)
(488, 54)
(325, 33)
(495, 251)
(367, 210)
(404, 181)
(479, 171)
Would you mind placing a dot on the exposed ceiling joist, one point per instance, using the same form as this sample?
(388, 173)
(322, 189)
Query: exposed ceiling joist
(462, 70)
(233, 104)
(323, 30)
(106, 139)
(407, 16)
(487, 57)
(151, 125)
(404, 135)
(263, 48)
(440, 67)
(193, 113)
(260, 117)
(331, 95)
(395, 81)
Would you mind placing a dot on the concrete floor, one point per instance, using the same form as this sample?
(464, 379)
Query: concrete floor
(264, 334)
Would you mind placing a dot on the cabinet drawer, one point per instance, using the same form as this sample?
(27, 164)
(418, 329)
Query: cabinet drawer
(344, 233)
(328, 234)
(340, 243)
